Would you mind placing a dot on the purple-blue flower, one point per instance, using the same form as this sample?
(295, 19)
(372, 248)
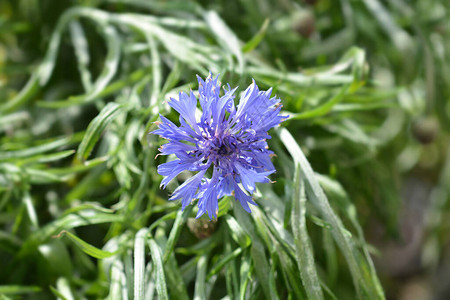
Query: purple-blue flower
(226, 145)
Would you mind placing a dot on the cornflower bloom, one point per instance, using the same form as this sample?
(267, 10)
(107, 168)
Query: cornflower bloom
(228, 141)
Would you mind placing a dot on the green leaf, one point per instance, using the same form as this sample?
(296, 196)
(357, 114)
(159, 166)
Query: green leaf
(37, 176)
(225, 36)
(352, 131)
(36, 150)
(291, 272)
(30, 210)
(139, 264)
(322, 109)
(245, 275)
(175, 279)
(257, 251)
(57, 293)
(168, 216)
(231, 272)
(12, 119)
(24, 95)
(180, 220)
(337, 193)
(18, 289)
(181, 47)
(303, 247)
(55, 254)
(158, 267)
(200, 280)
(110, 89)
(81, 52)
(256, 40)
(365, 287)
(223, 261)
(156, 71)
(237, 233)
(80, 218)
(110, 65)
(9, 242)
(262, 268)
(299, 79)
(224, 205)
(45, 158)
(45, 69)
(96, 127)
(64, 289)
(85, 247)
(117, 287)
(73, 170)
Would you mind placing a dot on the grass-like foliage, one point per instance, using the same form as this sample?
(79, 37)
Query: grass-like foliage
(82, 215)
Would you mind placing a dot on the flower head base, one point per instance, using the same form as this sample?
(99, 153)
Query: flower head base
(230, 141)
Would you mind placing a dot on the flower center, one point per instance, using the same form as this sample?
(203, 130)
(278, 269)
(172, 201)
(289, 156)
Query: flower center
(219, 149)
(224, 150)
(227, 146)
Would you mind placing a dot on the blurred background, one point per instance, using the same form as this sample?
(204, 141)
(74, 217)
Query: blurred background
(367, 86)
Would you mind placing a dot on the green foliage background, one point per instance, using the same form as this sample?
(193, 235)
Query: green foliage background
(364, 156)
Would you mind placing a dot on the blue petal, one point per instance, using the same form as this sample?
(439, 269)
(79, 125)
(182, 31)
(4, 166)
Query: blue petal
(196, 134)
(208, 90)
(175, 147)
(243, 198)
(185, 106)
(249, 177)
(173, 168)
(263, 159)
(187, 190)
(269, 119)
(261, 110)
(227, 186)
(208, 201)
(169, 130)
(247, 99)
(219, 104)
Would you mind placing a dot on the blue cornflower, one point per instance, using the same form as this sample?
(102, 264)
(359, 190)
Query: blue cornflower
(228, 141)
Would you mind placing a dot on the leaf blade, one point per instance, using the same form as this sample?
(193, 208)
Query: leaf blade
(96, 127)
(303, 247)
(86, 247)
(161, 286)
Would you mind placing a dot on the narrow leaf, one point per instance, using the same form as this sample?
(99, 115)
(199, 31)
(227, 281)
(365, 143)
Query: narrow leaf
(34, 150)
(87, 248)
(139, 263)
(180, 220)
(322, 109)
(80, 218)
(318, 198)
(200, 280)
(237, 233)
(81, 52)
(303, 247)
(158, 267)
(256, 40)
(257, 252)
(225, 36)
(219, 265)
(18, 289)
(96, 127)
